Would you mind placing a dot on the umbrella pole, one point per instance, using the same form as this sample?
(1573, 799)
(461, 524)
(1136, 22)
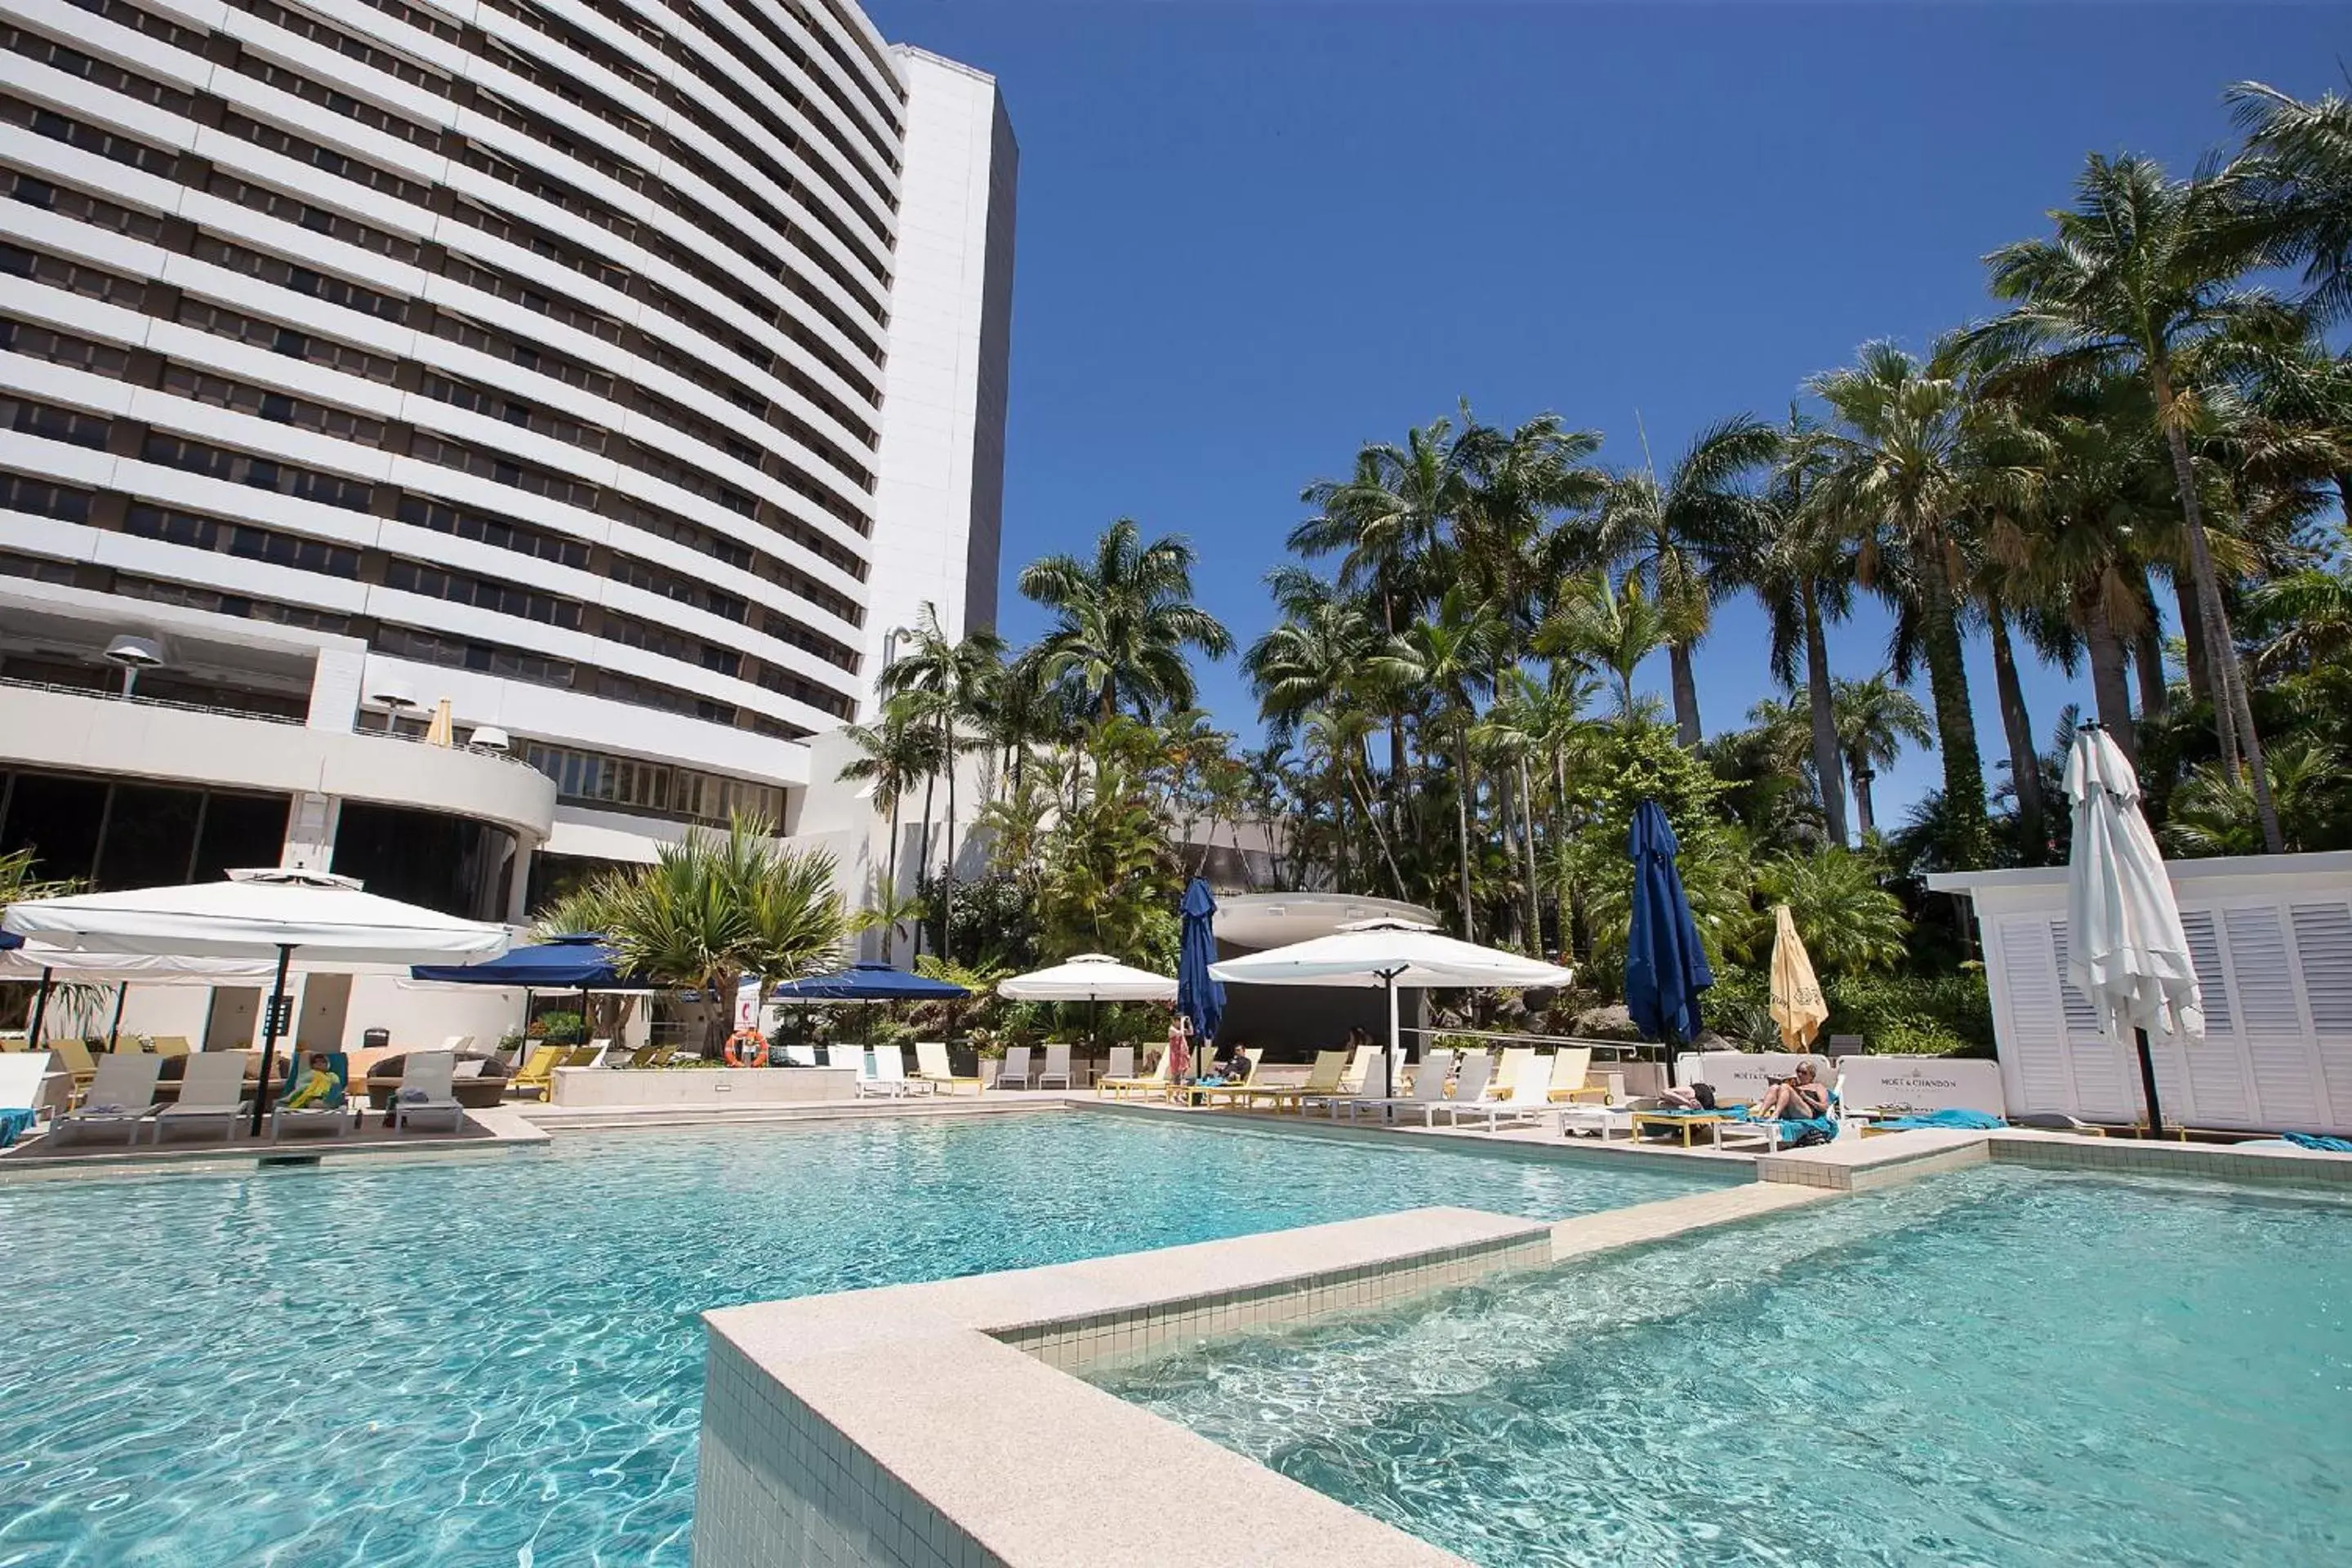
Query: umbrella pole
(114, 1032)
(2147, 1084)
(1388, 1063)
(269, 1037)
(40, 1011)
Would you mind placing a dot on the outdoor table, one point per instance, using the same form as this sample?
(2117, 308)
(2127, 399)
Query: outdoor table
(1600, 1120)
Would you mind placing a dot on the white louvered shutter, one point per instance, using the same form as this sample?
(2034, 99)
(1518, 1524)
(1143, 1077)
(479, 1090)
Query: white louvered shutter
(2215, 1067)
(2323, 944)
(2104, 1075)
(2280, 1060)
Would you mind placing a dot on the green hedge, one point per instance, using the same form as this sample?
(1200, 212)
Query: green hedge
(1944, 1015)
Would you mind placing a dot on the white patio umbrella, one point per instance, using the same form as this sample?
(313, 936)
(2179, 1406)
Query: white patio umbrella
(2124, 947)
(38, 966)
(1390, 953)
(257, 914)
(1090, 977)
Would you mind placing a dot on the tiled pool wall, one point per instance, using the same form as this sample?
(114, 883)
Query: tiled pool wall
(937, 1425)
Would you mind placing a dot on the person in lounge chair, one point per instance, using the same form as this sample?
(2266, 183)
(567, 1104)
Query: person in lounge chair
(1796, 1099)
(319, 1088)
(1230, 1067)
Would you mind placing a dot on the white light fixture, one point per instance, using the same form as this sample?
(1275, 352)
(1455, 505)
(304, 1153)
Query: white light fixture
(134, 654)
(487, 739)
(395, 696)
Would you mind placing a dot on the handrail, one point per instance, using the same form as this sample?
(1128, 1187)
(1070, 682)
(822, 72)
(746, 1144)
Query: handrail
(1621, 1048)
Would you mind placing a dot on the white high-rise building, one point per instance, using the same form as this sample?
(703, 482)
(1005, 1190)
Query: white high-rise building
(621, 374)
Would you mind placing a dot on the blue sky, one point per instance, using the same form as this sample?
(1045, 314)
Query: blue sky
(1254, 237)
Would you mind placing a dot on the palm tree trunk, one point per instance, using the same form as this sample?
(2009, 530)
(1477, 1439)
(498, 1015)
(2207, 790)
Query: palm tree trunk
(1528, 848)
(2231, 710)
(2024, 762)
(1462, 825)
(2192, 636)
(1379, 834)
(1566, 895)
(2108, 689)
(1832, 777)
(1864, 819)
(1956, 725)
(923, 855)
(1685, 682)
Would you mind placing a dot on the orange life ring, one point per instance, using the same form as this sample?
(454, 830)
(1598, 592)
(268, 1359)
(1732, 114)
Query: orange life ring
(747, 1048)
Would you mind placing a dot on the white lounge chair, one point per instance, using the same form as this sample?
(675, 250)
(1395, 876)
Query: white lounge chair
(1013, 1071)
(24, 1087)
(121, 1095)
(1428, 1088)
(800, 1056)
(890, 1074)
(932, 1066)
(1122, 1062)
(1057, 1065)
(212, 1090)
(426, 1089)
(339, 1118)
(1529, 1097)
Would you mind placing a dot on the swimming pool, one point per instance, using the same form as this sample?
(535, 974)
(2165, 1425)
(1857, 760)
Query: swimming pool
(1997, 1366)
(500, 1361)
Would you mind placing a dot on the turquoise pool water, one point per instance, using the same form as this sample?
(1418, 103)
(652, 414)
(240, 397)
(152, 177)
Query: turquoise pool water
(1996, 1367)
(500, 1361)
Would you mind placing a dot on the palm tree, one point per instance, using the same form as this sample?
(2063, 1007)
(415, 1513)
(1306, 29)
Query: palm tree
(1851, 923)
(2297, 173)
(2140, 271)
(1690, 539)
(712, 909)
(1315, 655)
(1874, 718)
(1898, 478)
(1125, 620)
(1452, 655)
(892, 754)
(945, 685)
(1604, 627)
(1805, 580)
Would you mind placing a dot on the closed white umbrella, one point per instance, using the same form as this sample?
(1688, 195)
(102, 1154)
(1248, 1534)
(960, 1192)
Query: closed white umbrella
(1390, 953)
(2125, 948)
(257, 914)
(1090, 977)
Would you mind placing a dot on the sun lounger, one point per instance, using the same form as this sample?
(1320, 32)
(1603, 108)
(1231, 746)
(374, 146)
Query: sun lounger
(1529, 1097)
(1120, 1085)
(1429, 1080)
(1012, 1072)
(75, 1058)
(213, 1090)
(537, 1078)
(24, 1083)
(336, 1113)
(427, 1089)
(1121, 1063)
(1571, 1075)
(1057, 1064)
(1327, 1077)
(121, 1095)
(643, 1056)
(1363, 1075)
(932, 1066)
(890, 1075)
(170, 1044)
(793, 1056)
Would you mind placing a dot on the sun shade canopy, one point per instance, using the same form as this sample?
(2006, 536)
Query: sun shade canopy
(254, 914)
(868, 981)
(1390, 953)
(564, 963)
(1089, 977)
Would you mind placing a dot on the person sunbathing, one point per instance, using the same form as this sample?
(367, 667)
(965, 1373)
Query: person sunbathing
(1795, 1099)
(320, 1089)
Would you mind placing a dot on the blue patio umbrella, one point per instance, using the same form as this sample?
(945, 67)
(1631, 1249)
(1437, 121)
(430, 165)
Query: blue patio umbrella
(1199, 996)
(871, 982)
(1665, 966)
(579, 963)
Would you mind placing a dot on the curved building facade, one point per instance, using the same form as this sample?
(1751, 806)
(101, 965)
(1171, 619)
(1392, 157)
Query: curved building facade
(548, 360)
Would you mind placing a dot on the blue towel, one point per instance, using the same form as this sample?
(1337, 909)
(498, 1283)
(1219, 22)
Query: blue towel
(12, 1123)
(1793, 1128)
(1967, 1120)
(2301, 1140)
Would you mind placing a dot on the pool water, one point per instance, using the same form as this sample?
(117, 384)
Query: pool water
(499, 1361)
(2000, 1366)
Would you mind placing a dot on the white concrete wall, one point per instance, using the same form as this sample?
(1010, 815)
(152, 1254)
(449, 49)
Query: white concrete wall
(938, 501)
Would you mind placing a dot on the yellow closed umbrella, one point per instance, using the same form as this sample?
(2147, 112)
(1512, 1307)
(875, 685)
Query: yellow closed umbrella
(1797, 1004)
(441, 731)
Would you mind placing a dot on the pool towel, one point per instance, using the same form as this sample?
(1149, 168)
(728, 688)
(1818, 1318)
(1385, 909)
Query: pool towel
(1968, 1121)
(2301, 1140)
(12, 1123)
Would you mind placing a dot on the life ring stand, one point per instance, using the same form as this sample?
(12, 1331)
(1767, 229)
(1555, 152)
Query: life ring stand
(747, 1048)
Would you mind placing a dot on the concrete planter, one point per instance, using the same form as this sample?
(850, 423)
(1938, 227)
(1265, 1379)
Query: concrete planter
(709, 1087)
